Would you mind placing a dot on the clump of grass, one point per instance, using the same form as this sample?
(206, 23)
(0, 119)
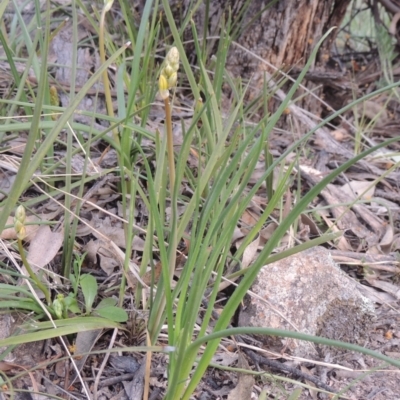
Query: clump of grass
(226, 150)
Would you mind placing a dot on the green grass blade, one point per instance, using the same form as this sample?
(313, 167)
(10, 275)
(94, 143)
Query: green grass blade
(251, 275)
(28, 166)
(294, 335)
(64, 327)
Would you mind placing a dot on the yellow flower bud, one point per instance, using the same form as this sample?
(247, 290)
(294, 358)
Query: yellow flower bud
(168, 70)
(173, 58)
(107, 5)
(172, 80)
(162, 83)
(163, 87)
(21, 233)
(17, 225)
(58, 306)
(54, 100)
(19, 221)
(20, 214)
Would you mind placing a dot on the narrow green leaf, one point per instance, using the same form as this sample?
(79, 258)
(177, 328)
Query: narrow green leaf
(28, 168)
(3, 6)
(295, 394)
(9, 289)
(22, 305)
(290, 334)
(85, 324)
(33, 326)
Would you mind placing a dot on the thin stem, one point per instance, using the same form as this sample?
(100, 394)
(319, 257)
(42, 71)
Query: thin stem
(106, 82)
(174, 211)
(170, 144)
(116, 137)
(39, 284)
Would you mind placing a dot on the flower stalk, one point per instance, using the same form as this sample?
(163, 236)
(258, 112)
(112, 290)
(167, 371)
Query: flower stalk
(167, 80)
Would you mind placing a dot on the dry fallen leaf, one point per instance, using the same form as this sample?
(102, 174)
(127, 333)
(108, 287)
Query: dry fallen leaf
(387, 239)
(44, 247)
(84, 343)
(250, 252)
(340, 134)
(355, 189)
(313, 393)
(248, 220)
(267, 232)
(100, 249)
(104, 227)
(374, 111)
(385, 286)
(244, 387)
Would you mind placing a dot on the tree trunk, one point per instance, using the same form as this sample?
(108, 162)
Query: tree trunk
(280, 33)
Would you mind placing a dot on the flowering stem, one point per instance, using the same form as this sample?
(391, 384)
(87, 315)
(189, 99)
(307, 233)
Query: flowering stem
(39, 284)
(174, 211)
(170, 144)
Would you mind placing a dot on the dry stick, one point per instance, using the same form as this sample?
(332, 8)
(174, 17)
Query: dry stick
(103, 364)
(117, 379)
(282, 367)
(147, 361)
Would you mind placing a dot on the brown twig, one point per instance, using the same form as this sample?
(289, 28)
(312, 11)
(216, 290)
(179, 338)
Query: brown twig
(282, 367)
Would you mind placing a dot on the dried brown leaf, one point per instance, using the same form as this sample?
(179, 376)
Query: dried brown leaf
(84, 343)
(306, 220)
(359, 189)
(374, 111)
(387, 239)
(250, 252)
(44, 247)
(267, 232)
(244, 387)
(248, 219)
(108, 261)
(313, 393)
(104, 227)
(387, 287)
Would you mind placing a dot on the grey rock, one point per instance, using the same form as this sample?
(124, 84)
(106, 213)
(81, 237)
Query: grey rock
(308, 293)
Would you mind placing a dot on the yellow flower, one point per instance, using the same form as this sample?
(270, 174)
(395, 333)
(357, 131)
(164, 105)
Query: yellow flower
(168, 75)
(19, 222)
(172, 80)
(163, 87)
(173, 58)
(20, 214)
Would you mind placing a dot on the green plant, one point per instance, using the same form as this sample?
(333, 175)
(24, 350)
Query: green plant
(62, 306)
(222, 148)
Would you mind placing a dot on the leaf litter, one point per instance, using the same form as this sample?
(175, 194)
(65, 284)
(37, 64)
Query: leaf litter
(367, 250)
